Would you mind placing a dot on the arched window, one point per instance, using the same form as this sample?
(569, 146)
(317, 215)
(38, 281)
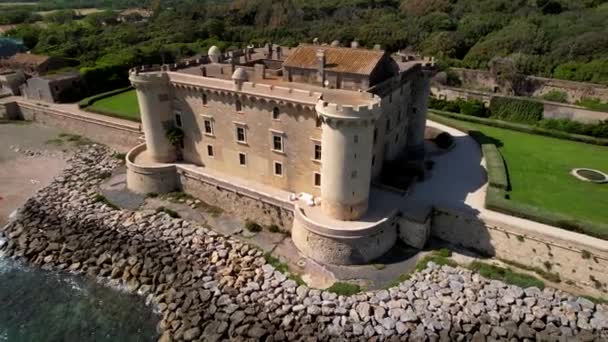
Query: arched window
(275, 113)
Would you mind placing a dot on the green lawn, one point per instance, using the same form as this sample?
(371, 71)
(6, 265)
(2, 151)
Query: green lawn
(123, 105)
(539, 172)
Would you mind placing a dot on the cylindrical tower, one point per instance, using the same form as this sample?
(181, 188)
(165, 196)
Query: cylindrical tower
(156, 114)
(347, 143)
(417, 124)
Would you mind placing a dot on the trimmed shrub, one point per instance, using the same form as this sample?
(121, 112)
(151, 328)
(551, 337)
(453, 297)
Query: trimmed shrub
(444, 140)
(516, 110)
(474, 108)
(497, 172)
(555, 96)
(92, 99)
(436, 115)
(252, 226)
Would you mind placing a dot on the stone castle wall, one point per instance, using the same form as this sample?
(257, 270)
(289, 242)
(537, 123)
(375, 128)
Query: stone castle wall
(575, 261)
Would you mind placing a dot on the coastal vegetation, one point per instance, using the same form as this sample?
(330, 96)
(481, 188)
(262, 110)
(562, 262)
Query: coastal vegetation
(565, 39)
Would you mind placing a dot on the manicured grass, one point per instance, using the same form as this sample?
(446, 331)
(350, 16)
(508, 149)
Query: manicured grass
(539, 171)
(123, 105)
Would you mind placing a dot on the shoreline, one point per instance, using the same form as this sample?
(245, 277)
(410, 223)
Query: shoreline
(211, 287)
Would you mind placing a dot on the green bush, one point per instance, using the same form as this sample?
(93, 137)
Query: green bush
(506, 275)
(170, 212)
(344, 289)
(593, 103)
(436, 115)
(467, 107)
(555, 96)
(497, 172)
(516, 110)
(598, 130)
(252, 226)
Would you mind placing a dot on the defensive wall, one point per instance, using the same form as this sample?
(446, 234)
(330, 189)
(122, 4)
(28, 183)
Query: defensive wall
(552, 110)
(115, 133)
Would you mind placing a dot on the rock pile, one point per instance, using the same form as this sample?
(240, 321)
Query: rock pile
(211, 287)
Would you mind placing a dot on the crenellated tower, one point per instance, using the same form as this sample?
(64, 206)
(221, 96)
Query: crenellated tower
(347, 141)
(156, 113)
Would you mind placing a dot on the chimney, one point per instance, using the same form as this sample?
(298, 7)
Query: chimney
(321, 68)
(279, 52)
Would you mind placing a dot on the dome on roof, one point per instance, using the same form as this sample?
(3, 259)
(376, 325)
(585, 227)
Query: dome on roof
(240, 75)
(335, 43)
(214, 51)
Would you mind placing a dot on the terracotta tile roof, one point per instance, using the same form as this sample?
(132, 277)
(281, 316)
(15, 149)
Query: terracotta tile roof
(28, 59)
(338, 59)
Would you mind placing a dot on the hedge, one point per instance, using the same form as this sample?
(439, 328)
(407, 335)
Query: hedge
(92, 99)
(497, 172)
(437, 115)
(496, 200)
(112, 114)
(516, 110)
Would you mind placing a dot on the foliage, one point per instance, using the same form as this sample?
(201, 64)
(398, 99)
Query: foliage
(599, 130)
(99, 198)
(253, 226)
(516, 109)
(440, 257)
(593, 103)
(506, 275)
(467, 107)
(556, 96)
(175, 135)
(170, 212)
(523, 127)
(550, 276)
(91, 99)
(497, 172)
(344, 289)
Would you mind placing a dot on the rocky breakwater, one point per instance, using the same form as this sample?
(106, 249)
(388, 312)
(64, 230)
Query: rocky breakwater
(211, 287)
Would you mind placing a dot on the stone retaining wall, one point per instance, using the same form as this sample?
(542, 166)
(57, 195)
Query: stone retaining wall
(237, 201)
(573, 260)
(120, 138)
(552, 110)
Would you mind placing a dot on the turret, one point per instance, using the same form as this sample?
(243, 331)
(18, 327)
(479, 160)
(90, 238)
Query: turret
(156, 114)
(347, 142)
(417, 123)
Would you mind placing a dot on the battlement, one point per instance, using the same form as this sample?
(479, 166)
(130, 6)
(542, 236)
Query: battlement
(343, 111)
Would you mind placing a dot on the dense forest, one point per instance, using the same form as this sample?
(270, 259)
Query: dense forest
(566, 39)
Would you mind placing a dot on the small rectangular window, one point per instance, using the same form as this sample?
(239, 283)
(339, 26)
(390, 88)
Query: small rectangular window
(178, 120)
(240, 135)
(356, 139)
(317, 151)
(375, 135)
(318, 122)
(238, 106)
(317, 179)
(373, 160)
(278, 169)
(353, 175)
(242, 159)
(390, 98)
(208, 127)
(277, 143)
(204, 99)
(388, 125)
(275, 113)
(397, 138)
(210, 150)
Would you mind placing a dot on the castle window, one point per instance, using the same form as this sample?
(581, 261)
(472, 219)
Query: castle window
(208, 127)
(399, 116)
(390, 98)
(240, 135)
(277, 142)
(317, 179)
(318, 122)
(353, 175)
(278, 169)
(356, 139)
(414, 110)
(317, 151)
(238, 105)
(242, 159)
(178, 119)
(373, 160)
(204, 99)
(397, 138)
(388, 125)
(210, 150)
(375, 135)
(275, 113)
